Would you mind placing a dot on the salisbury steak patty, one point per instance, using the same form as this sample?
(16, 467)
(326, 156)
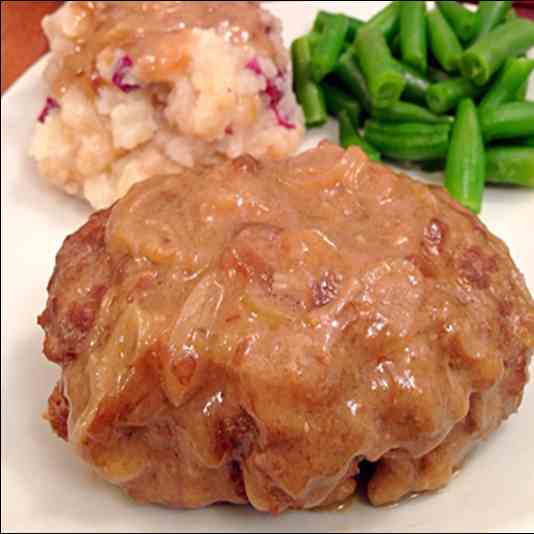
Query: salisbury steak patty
(251, 334)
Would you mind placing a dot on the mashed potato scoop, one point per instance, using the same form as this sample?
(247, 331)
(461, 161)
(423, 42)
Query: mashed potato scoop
(144, 88)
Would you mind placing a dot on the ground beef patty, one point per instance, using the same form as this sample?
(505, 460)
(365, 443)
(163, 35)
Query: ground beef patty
(145, 88)
(253, 332)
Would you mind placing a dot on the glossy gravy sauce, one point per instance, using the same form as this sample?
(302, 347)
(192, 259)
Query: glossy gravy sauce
(154, 33)
(311, 307)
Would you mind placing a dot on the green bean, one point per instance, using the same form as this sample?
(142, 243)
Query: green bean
(338, 100)
(490, 52)
(510, 165)
(446, 47)
(311, 99)
(348, 136)
(313, 39)
(508, 121)
(324, 18)
(491, 15)
(446, 95)
(466, 161)
(413, 32)
(464, 22)
(417, 84)
(407, 112)
(386, 83)
(300, 55)
(328, 48)
(349, 72)
(408, 141)
(522, 92)
(512, 14)
(513, 76)
(387, 21)
(309, 94)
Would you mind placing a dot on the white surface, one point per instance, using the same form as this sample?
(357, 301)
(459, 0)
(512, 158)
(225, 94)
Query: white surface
(46, 488)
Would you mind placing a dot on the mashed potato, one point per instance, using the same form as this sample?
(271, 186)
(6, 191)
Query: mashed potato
(145, 88)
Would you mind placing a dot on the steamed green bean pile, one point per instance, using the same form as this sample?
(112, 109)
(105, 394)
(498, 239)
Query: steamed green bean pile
(444, 87)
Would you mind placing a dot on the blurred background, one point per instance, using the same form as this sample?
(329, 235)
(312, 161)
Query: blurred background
(23, 41)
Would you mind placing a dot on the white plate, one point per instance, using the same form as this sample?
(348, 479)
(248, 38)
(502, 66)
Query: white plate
(45, 488)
